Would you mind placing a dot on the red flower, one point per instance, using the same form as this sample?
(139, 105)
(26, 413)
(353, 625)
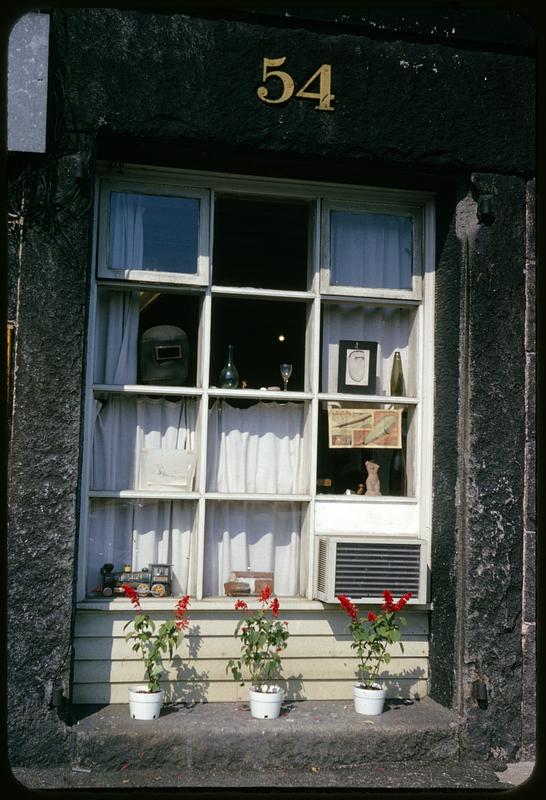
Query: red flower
(349, 607)
(402, 602)
(132, 594)
(388, 604)
(240, 604)
(274, 606)
(266, 594)
(371, 616)
(182, 606)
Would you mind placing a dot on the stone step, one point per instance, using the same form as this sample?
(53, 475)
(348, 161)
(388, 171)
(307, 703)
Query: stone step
(224, 736)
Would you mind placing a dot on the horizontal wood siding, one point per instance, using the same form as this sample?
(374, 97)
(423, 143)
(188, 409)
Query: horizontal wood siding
(318, 662)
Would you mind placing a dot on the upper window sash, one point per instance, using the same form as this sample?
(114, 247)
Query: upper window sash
(152, 232)
(371, 250)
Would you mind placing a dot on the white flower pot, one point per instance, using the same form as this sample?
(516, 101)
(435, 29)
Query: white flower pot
(266, 704)
(144, 704)
(369, 701)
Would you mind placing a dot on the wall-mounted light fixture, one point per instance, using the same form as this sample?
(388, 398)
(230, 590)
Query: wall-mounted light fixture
(479, 691)
(486, 213)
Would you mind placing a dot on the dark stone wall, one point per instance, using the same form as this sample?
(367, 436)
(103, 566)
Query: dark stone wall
(444, 577)
(181, 90)
(491, 479)
(44, 470)
(530, 503)
(177, 78)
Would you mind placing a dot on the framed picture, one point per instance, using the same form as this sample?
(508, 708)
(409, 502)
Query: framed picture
(365, 427)
(357, 367)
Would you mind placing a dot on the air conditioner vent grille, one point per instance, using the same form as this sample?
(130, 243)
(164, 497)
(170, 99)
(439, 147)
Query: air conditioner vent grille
(366, 569)
(322, 573)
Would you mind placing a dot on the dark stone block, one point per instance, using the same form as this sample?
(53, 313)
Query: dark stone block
(194, 69)
(529, 577)
(529, 731)
(530, 240)
(44, 475)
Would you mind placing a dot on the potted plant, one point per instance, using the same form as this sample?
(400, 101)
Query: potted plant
(145, 701)
(263, 637)
(371, 637)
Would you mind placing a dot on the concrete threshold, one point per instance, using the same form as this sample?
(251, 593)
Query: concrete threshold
(223, 736)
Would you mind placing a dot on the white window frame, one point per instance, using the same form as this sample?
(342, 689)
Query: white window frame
(104, 270)
(399, 516)
(414, 213)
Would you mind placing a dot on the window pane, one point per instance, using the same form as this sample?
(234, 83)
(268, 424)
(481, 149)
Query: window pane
(263, 537)
(264, 334)
(260, 243)
(257, 449)
(124, 317)
(139, 533)
(128, 434)
(344, 464)
(393, 329)
(370, 250)
(151, 232)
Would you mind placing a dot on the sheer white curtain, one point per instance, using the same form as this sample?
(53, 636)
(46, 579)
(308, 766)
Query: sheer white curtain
(255, 536)
(126, 231)
(389, 327)
(373, 250)
(143, 531)
(116, 339)
(260, 450)
(256, 449)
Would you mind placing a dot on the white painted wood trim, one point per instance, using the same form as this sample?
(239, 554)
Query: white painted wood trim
(235, 183)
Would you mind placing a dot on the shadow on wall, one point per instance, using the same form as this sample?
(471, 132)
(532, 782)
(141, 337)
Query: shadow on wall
(191, 685)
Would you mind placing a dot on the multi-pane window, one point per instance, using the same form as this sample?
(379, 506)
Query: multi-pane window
(184, 468)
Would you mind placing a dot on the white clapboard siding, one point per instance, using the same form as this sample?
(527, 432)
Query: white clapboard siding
(229, 691)
(317, 664)
(215, 669)
(104, 648)
(222, 623)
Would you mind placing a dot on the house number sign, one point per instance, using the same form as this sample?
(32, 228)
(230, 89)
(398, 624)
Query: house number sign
(322, 79)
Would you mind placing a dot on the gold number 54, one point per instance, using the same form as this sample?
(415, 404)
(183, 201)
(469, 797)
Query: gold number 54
(323, 75)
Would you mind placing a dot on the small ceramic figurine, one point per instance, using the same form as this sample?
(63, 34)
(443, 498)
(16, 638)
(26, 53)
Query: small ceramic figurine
(373, 487)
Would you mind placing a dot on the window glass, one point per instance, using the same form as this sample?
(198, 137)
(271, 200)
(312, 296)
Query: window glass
(260, 243)
(152, 232)
(249, 537)
(139, 533)
(370, 250)
(264, 335)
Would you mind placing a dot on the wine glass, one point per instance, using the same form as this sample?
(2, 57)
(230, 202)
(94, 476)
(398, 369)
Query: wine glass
(286, 372)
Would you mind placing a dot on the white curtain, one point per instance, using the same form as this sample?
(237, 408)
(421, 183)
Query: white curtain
(143, 531)
(126, 231)
(256, 449)
(116, 339)
(373, 250)
(260, 450)
(389, 327)
(255, 536)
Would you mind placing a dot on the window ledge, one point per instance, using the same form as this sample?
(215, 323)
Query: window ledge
(361, 498)
(221, 604)
(206, 604)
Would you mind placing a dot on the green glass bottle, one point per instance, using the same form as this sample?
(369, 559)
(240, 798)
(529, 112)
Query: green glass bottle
(229, 377)
(398, 388)
(397, 468)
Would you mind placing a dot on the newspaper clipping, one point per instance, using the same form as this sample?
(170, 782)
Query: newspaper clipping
(365, 427)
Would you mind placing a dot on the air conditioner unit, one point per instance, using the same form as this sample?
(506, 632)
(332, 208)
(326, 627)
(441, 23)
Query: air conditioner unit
(363, 567)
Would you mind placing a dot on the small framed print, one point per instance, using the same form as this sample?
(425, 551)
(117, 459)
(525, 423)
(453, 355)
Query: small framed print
(357, 367)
